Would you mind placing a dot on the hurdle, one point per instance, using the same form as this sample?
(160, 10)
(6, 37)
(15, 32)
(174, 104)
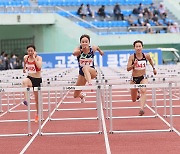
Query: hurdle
(175, 81)
(121, 82)
(176, 85)
(98, 101)
(122, 76)
(166, 85)
(18, 84)
(29, 133)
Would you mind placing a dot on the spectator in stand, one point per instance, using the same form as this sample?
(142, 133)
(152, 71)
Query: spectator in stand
(146, 17)
(166, 20)
(156, 20)
(12, 61)
(153, 9)
(101, 12)
(89, 11)
(147, 13)
(162, 11)
(20, 62)
(6, 61)
(131, 21)
(117, 12)
(148, 29)
(140, 9)
(173, 28)
(81, 11)
(2, 63)
(132, 24)
(140, 20)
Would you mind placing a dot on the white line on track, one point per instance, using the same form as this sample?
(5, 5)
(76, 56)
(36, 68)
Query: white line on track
(10, 109)
(167, 123)
(35, 135)
(108, 150)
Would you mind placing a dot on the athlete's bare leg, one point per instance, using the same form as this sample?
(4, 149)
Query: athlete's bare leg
(133, 92)
(143, 94)
(26, 83)
(89, 73)
(81, 81)
(36, 100)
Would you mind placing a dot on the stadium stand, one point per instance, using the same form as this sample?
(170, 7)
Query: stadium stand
(14, 3)
(108, 25)
(130, 23)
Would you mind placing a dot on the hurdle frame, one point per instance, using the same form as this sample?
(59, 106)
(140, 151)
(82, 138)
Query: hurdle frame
(141, 131)
(98, 101)
(29, 133)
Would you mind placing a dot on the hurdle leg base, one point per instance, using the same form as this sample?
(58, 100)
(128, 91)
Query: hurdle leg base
(30, 134)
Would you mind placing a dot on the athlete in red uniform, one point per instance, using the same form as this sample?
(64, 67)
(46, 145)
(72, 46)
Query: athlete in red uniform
(32, 65)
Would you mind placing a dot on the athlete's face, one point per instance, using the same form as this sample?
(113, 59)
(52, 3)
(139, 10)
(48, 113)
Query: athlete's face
(138, 47)
(84, 42)
(30, 51)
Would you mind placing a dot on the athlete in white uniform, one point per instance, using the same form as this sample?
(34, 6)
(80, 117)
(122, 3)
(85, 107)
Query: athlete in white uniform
(137, 63)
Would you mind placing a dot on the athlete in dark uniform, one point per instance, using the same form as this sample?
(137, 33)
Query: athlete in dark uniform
(85, 59)
(137, 63)
(85, 56)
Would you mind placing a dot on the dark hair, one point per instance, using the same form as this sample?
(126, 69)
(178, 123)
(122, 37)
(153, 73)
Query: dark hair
(85, 35)
(31, 46)
(137, 41)
(2, 53)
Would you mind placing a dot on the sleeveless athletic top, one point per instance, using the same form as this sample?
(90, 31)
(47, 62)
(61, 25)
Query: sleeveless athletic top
(141, 65)
(86, 59)
(31, 66)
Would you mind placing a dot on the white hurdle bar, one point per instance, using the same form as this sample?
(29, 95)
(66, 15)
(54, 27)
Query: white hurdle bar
(131, 86)
(98, 101)
(28, 112)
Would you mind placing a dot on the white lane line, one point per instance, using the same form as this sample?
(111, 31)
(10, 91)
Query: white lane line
(167, 123)
(108, 150)
(10, 109)
(35, 135)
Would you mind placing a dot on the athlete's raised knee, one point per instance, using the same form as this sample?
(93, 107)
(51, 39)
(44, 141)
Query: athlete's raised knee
(85, 68)
(24, 83)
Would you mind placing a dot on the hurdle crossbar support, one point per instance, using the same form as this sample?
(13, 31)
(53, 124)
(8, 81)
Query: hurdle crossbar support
(141, 131)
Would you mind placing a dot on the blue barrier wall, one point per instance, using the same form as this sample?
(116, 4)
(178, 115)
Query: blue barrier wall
(110, 58)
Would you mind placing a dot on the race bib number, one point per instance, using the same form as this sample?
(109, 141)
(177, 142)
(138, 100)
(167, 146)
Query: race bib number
(30, 68)
(84, 62)
(141, 65)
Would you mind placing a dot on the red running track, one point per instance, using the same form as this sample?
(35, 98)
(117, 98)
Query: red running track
(125, 143)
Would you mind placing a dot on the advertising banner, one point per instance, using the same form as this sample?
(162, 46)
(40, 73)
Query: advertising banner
(110, 59)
